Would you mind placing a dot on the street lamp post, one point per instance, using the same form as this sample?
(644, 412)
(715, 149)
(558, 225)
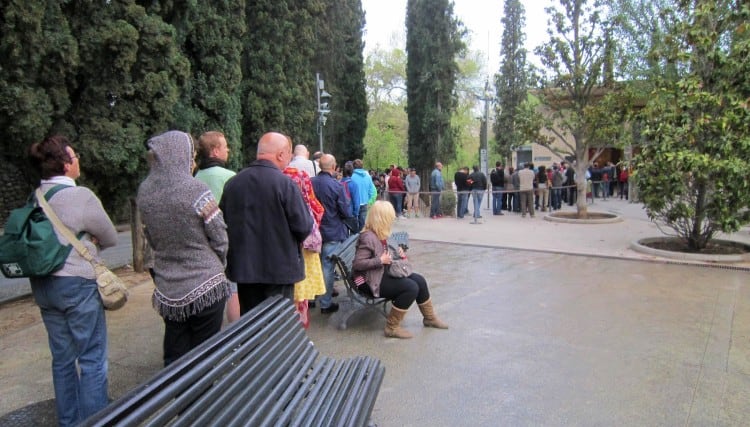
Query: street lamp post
(485, 132)
(323, 108)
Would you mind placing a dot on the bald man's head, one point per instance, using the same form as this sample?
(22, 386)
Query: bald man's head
(327, 163)
(301, 150)
(276, 148)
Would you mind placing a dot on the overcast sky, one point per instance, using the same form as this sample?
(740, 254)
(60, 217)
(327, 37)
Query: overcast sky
(481, 17)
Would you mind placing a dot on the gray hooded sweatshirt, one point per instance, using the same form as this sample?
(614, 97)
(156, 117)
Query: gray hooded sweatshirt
(185, 229)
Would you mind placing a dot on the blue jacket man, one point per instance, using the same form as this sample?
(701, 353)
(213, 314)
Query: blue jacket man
(366, 192)
(332, 196)
(436, 187)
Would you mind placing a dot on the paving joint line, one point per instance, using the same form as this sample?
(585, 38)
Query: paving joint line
(590, 255)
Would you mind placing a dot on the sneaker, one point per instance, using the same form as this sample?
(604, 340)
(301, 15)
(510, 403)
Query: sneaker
(332, 309)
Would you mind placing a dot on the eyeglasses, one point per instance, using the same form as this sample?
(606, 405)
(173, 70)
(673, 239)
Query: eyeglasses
(76, 156)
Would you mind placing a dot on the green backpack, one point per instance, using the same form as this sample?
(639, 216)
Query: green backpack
(29, 247)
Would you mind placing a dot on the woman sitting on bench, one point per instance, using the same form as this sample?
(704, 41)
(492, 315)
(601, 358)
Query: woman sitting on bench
(368, 270)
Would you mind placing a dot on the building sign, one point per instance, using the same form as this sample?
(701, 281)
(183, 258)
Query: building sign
(543, 158)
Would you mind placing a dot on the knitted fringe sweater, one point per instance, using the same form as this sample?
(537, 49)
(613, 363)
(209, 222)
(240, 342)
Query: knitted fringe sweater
(185, 229)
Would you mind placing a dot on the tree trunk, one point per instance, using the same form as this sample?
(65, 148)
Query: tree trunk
(697, 241)
(581, 163)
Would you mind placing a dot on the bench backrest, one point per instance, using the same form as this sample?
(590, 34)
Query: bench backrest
(262, 370)
(344, 255)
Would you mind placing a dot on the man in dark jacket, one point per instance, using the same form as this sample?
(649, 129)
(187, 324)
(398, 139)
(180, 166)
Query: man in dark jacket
(462, 189)
(497, 178)
(267, 220)
(332, 196)
(478, 187)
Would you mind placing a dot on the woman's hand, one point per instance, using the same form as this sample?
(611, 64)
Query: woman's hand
(385, 258)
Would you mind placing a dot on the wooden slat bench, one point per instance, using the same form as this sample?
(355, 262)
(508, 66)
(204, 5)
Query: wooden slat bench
(261, 371)
(344, 257)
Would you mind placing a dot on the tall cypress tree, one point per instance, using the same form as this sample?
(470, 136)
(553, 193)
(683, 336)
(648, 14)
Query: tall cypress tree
(340, 60)
(277, 68)
(105, 74)
(511, 81)
(38, 73)
(210, 35)
(128, 84)
(433, 42)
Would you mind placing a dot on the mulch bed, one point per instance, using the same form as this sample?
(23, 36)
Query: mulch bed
(591, 215)
(713, 248)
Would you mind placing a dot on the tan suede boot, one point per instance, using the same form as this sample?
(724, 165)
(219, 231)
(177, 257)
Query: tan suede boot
(392, 328)
(430, 319)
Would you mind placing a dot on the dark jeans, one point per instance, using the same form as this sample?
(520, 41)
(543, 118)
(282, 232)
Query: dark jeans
(463, 204)
(73, 315)
(405, 290)
(181, 337)
(596, 188)
(328, 249)
(509, 200)
(556, 198)
(252, 294)
(572, 194)
(434, 204)
(397, 200)
(362, 216)
(497, 200)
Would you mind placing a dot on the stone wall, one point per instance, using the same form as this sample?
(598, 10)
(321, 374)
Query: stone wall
(14, 189)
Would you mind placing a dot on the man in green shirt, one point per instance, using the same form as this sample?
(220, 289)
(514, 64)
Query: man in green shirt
(214, 153)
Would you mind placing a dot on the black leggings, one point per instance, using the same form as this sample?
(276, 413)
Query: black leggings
(405, 290)
(181, 337)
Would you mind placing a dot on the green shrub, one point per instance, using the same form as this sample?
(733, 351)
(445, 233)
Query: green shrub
(448, 203)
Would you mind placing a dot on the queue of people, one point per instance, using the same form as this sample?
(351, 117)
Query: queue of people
(221, 242)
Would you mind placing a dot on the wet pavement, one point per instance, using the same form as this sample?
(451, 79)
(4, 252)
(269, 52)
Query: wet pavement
(551, 324)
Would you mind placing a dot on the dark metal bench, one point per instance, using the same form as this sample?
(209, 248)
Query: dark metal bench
(262, 371)
(344, 257)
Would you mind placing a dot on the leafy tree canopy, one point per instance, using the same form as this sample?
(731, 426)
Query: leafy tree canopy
(692, 172)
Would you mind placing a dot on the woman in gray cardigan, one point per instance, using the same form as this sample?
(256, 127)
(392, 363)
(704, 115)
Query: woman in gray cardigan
(368, 268)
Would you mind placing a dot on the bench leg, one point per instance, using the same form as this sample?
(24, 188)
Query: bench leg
(351, 307)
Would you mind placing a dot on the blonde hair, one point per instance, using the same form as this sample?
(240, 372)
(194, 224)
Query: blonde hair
(208, 141)
(380, 218)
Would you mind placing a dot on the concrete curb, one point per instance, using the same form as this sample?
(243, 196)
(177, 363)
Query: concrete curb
(640, 246)
(615, 218)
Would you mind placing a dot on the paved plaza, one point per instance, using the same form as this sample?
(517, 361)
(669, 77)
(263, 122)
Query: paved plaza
(550, 324)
